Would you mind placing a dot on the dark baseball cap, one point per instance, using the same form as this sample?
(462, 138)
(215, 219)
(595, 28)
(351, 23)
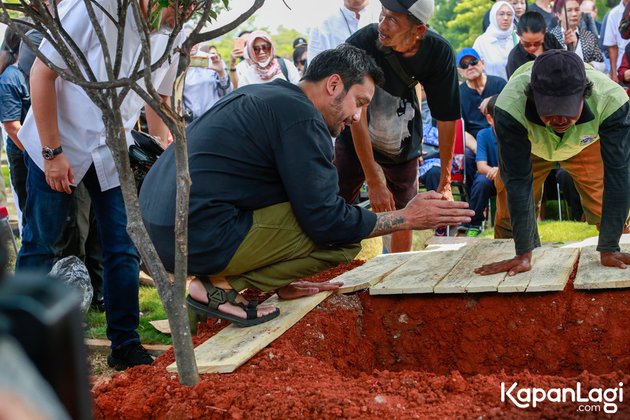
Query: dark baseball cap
(558, 83)
(298, 42)
(421, 9)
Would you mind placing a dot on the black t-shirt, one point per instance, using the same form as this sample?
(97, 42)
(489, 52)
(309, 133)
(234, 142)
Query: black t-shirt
(474, 120)
(261, 145)
(433, 67)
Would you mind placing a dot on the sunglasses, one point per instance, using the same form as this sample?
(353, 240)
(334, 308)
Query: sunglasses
(302, 62)
(264, 47)
(467, 64)
(532, 44)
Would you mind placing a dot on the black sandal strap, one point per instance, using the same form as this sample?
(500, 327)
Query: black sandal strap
(216, 295)
(251, 309)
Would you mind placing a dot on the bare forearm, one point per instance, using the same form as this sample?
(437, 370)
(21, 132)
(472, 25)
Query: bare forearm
(446, 138)
(156, 126)
(12, 128)
(391, 221)
(363, 148)
(44, 104)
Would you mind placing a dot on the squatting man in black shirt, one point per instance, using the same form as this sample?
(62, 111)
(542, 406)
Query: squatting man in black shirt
(264, 209)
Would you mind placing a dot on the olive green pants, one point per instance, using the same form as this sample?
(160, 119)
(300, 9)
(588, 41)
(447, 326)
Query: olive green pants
(276, 252)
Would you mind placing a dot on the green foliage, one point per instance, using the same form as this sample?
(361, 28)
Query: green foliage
(465, 26)
(151, 309)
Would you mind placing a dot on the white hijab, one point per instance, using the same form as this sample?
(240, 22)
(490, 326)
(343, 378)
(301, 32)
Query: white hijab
(493, 30)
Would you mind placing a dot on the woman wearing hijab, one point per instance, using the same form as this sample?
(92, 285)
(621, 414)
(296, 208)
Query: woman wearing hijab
(495, 44)
(261, 64)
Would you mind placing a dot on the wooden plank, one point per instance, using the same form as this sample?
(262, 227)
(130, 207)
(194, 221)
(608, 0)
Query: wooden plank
(371, 272)
(551, 270)
(233, 346)
(463, 279)
(420, 274)
(591, 274)
(519, 282)
(162, 326)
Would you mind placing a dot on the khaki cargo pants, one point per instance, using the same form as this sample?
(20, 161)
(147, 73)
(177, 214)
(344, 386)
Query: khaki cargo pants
(276, 252)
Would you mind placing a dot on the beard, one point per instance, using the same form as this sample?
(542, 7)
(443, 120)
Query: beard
(335, 115)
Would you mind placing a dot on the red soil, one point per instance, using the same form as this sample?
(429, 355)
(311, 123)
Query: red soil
(403, 357)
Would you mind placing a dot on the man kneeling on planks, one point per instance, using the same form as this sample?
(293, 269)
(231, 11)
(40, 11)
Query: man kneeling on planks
(264, 209)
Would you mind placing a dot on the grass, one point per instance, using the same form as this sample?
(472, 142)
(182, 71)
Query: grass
(558, 232)
(151, 310)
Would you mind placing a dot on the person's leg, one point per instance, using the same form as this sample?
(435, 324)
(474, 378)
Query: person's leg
(482, 190)
(402, 181)
(45, 212)
(587, 171)
(120, 263)
(571, 195)
(274, 253)
(88, 247)
(502, 224)
(470, 159)
(431, 179)
(350, 173)
(17, 175)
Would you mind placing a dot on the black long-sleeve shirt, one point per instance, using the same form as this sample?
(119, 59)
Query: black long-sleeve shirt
(258, 146)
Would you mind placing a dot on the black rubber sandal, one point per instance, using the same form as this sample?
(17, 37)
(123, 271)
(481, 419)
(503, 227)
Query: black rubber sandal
(218, 296)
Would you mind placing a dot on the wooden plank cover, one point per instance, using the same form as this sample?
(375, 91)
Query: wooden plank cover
(372, 271)
(591, 274)
(233, 346)
(551, 271)
(420, 274)
(463, 279)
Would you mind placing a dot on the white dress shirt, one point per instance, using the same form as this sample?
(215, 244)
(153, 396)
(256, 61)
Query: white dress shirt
(612, 36)
(203, 88)
(337, 27)
(81, 128)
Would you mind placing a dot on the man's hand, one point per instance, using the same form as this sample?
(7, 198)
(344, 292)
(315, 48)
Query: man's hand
(446, 191)
(59, 174)
(381, 199)
(518, 264)
(492, 173)
(615, 259)
(305, 288)
(430, 209)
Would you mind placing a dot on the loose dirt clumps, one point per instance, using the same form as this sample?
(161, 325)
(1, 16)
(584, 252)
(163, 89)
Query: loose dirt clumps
(418, 356)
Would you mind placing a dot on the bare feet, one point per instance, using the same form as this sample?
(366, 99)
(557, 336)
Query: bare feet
(198, 293)
(305, 288)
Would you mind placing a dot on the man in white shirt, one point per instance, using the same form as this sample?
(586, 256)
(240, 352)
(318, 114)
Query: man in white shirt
(337, 27)
(71, 149)
(612, 38)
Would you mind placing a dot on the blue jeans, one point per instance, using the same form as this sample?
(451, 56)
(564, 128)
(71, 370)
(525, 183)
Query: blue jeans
(46, 213)
(482, 190)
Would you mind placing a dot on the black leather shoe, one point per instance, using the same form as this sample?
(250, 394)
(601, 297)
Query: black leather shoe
(130, 355)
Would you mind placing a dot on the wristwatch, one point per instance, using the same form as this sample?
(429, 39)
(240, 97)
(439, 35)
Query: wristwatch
(49, 153)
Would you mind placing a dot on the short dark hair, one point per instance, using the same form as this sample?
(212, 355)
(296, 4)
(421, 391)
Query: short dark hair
(491, 103)
(350, 63)
(245, 32)
(532, 22)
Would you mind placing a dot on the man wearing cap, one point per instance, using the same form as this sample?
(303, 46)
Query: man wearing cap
(571, 117)
(383, 147)
(477, 86)
(341, 24)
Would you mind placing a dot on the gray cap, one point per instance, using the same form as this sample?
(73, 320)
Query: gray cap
(420, 9)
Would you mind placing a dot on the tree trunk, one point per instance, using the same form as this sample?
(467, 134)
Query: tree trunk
(171, 292)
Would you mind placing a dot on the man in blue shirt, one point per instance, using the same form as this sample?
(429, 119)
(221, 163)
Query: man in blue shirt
(487, 170)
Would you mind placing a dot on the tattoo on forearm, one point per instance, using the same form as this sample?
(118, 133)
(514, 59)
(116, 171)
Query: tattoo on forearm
(387, 223)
